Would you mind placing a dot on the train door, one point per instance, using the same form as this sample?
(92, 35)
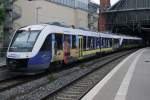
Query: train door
(115, 44)
(66, 48)
(80, 46)
(74, 48)
(57, 47)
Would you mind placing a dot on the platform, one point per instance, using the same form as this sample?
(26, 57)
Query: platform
(129, 80)
(2, 61)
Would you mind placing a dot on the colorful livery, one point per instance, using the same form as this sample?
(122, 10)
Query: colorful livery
(36, 47)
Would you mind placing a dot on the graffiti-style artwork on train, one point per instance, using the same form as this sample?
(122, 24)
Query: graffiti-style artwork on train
(58, 47)
(66, 48)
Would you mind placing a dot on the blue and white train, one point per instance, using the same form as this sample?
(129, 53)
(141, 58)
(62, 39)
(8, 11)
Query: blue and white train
(35, 48)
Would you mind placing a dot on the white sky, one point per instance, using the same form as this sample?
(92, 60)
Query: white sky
(112, 1)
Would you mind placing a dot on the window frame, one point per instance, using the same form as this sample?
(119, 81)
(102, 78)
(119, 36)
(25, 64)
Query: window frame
(60, 41)
(43, 49)
(74, 43)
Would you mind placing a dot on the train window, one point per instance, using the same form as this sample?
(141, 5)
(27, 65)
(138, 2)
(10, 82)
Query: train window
(108, 43)
(47, 44)
(92, 43)
(58, 41)
(104, 42)
(74, 42)
(89, 43)
(84, 43)
(101, 42)
(24, 40)
(97, 42)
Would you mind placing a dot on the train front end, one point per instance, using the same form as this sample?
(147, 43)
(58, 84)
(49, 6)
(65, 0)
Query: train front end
(23, 54)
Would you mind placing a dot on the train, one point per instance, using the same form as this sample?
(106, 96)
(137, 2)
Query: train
(36, 48)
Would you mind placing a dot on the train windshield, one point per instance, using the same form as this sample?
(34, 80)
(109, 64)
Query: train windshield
(24, 40)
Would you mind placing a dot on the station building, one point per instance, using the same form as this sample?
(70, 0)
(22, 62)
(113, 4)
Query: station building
(68, 12)
(19, 13)
(93, 16)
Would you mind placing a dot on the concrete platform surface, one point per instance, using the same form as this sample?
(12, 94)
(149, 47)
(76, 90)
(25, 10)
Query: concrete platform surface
(129, 80)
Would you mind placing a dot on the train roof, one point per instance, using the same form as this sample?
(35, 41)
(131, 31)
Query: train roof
(69, 30)
(34, 27)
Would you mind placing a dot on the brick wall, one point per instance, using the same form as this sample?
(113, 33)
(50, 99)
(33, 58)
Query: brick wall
(104, 4)
(102, 23)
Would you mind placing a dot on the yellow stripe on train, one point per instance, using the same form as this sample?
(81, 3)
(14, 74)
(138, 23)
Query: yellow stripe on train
(97, 50)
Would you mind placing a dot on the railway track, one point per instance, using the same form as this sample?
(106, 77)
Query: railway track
(9, 80)
(5, 74)
(76, 90)
(14, 81)
(21, 89)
